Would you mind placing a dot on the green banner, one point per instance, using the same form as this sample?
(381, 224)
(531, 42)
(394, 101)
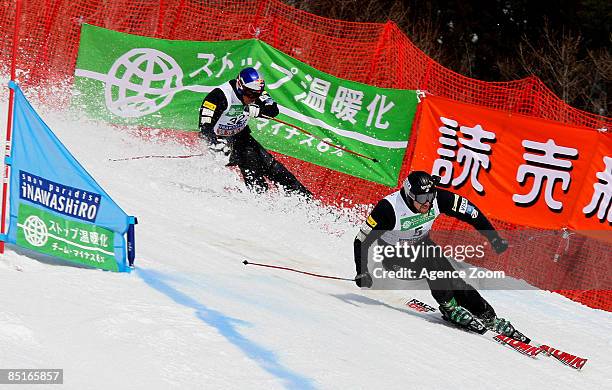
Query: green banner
(408, 223)
(135, 80)
(53, 235)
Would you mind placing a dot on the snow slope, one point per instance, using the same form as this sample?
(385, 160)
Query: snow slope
(192, 316)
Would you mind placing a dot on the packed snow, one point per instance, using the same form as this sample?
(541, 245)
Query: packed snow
(192, 316)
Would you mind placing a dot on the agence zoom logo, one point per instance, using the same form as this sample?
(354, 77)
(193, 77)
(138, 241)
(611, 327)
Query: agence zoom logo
(59, 198)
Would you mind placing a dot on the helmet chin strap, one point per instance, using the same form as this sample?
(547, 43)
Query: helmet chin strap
(238, 89)
(408, 200)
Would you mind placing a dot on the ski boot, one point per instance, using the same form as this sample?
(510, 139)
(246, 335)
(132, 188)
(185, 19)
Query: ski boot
(502, 326)
(461, 316)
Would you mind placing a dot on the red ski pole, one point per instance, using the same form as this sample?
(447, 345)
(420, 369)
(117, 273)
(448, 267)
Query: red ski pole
(320, 139)
(246, 262)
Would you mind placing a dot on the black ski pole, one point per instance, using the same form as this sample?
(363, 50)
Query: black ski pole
(246, 262)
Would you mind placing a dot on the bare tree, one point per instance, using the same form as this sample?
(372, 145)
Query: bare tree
(555, 59)
(557, 55)
(423, 27)
(558, 59)
(598, 98)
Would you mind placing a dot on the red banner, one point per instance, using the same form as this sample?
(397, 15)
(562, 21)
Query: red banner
(518, 169)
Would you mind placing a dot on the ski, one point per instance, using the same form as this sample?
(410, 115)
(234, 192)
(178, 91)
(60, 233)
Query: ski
(565, 358)
(516, 345)
(531, 348)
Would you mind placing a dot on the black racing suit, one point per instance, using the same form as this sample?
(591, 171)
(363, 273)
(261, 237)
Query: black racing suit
(383, 218)
(254, 161)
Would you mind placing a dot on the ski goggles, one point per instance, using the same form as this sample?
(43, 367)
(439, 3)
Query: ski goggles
(251, 94)
(423, 198)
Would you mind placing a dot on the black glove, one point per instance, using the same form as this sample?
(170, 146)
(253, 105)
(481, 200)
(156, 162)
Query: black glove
(208, 135)
(499, 244)
(364, 280)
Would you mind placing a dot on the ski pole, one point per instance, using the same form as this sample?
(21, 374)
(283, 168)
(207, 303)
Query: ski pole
(155, 156)
(320, 139)
(246, 262)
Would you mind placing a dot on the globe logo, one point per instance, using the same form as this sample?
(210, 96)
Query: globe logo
(35, 231)
(141, 82)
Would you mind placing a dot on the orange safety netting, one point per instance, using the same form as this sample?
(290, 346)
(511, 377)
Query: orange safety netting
(372, 53)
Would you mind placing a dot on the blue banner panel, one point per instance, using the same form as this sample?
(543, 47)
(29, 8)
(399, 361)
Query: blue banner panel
(55, 206)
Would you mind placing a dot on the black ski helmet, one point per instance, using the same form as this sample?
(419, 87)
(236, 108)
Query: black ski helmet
(420, 186)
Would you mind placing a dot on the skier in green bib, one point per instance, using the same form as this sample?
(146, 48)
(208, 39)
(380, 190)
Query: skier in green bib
(405, 218)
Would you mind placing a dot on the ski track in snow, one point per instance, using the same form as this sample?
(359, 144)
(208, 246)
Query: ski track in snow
(192, 316)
